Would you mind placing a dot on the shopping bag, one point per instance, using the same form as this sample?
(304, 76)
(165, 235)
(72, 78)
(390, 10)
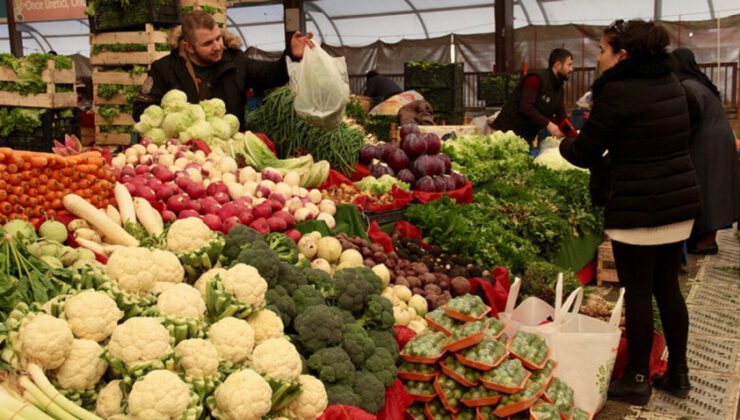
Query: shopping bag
(586, 349)
(321, 87)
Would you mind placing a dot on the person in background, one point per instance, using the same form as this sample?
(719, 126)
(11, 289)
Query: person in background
(379, 88)
(648, 187)
(713, 153)
(538, 101)
(207, 62)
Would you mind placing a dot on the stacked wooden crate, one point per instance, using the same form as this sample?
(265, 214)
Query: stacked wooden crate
(124, 68)
(51, 99)
(217, 8)
(606, 271)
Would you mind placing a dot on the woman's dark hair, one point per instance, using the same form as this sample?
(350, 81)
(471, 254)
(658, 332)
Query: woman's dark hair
(639, 38)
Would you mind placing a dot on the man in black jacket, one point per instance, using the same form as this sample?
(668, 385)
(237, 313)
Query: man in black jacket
(380, 88)
(537, 102)
(203, 67)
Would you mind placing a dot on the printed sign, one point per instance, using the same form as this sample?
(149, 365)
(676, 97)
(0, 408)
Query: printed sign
(41, 10)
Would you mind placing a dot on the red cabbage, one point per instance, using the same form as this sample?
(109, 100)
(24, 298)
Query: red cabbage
(406, 176)
(413, 145)
(436, 166)
(370, 152)
(433, 143)
(421, 166)
(387, 149)
(398, 160)
(439, 183)
(459, 179)
(449, 182)
(425, 184)
(379, 169)
(409, 128)
(446, 160)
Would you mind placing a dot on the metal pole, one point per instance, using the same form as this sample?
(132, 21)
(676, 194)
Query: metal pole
(16, 42)
(678, 37)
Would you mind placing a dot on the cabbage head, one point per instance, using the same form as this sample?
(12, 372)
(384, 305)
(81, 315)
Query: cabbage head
(233, 122)
(552, 159)
(174, 101)
(221, 128)
(142, 126)
(214, 108)
(153, 115)
(184, 136)
(201, 130)
(175, 123)
(157, 136)
(195, 113)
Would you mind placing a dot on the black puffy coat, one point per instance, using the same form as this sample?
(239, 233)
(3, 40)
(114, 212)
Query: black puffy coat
(641, 117)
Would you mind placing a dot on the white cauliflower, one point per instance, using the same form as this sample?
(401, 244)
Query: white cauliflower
(277, 358)
(46, 340)
(160, 395)
(233, 338)
(133, 269)
(92, 315)
(244, 395)
(161, 286)
(83, 367)
(187, 235)
(168, 266)
(109, 400)
(181, 301)
(139, 341)
(200, 284)
(198, 357)
(311, 402)
(245, 283)
(266, 324)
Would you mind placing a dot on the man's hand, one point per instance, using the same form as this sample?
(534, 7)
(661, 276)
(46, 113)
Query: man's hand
(298, 42)
(554, 130)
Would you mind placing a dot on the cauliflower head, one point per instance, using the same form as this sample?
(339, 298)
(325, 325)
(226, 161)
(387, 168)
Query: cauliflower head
(182, 301)
(266, 324)
(159, 395)
(161, 286)
(139, 340)
(83, 367)
(133, 269)
(109, 400)
(312, 401)
(244, 395)
(277, 358)
(168, 266)
(233, 338)
(198, 358)
(204, 278)
(245, 283)
(92, 315)
(187, 235)
(46, 340)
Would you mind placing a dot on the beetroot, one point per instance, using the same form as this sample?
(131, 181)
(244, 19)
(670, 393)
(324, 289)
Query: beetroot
(425, 183)
(407, 129)
(230, 223)
(370, 152)
(277, 224)
(260, 225)
(459, 179)
(212, 221)
(446, 160)
(413, 145)
(398, 160)
(439, 183)
(406, 176)
(433, 143)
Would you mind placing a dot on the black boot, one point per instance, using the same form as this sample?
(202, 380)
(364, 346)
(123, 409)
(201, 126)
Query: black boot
(675, 381)
(633, 388)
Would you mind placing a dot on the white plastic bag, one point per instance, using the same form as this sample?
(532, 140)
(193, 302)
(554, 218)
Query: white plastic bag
(321, 87)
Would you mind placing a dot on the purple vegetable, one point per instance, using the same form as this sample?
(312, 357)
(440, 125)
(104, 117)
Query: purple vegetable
(446, 160)
(387, 149)
(378, 169)
(406, 176)
(449, 182)
(370, 152)
(398, 160)
(436, 166)
(413, 145)
(459, 179)
(425, 184)
(433, 143)
(421, 166)
(439, 183)
(407, 129)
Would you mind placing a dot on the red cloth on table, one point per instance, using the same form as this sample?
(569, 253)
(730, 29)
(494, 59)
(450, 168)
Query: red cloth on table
(336, 179)
(402, 335)
(658, 366)
(462, 195)
(361, 171)
(587, 273)
(199, 145)
(401, 199)
(377, 236)
(396, 401)
(495, 293)
(345, 412)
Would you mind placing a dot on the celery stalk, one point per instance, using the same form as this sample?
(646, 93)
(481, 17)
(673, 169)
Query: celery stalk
(47, 388)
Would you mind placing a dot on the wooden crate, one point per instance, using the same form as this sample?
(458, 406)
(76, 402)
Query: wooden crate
(220, 18)
(102, 138)
(150, 37)
(606, 271)
(49, 100)
(100, 77)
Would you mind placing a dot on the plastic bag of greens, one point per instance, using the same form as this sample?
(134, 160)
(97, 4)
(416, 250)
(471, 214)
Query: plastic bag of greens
(321, 87)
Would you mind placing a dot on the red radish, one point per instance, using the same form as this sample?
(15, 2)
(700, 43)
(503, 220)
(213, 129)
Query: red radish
(294, 235)
(272, 174)
(264, 210)
(183, 181)
(289, 219)
(277, 224)
(130, 187)
(195, 190)
(145, 192)
(244, 200)
(216, 187)
(169, 216)
(195, 205)
(228, 210)
(138, 181)
(260, 225)
(163, 174)
(222, 197)
(210, 205)
(154, 184)
(275, 205)
(187, 213)
(230, 223)
(142, 169)
(263, 191)
(164, 192)
(178, 203)
(212, 221)
(279, 197)
(246, 218)
(128, 171)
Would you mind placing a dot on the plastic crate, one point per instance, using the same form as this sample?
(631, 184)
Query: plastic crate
(433, 75)
(53, 127)
(136, 15)
(495, 89)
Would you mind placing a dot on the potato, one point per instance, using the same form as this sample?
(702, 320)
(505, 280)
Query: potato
(419, 291)
(413, 281)
(428, 278)
(431, 288)
(460, 286)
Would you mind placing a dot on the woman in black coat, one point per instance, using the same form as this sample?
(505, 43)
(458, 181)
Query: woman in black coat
(636, 143)
(713, 153)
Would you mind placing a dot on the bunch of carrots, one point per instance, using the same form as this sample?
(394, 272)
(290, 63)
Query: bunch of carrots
(32, 184)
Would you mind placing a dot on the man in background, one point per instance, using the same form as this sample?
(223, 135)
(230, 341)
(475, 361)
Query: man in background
(379, 88)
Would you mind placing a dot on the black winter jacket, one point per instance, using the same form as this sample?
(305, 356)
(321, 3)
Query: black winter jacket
(229, 80)
(641, 117)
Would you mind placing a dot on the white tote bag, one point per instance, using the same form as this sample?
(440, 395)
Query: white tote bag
(321, 87)
(586, 349)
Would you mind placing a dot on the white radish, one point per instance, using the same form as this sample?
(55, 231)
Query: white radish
(315, 196)
(77, 224)
(113, 214)
(88, 234)
(125, 203)
(145, 214)
(91, 245)
(110, 249)
(84, 210)
(167, 160)
(132, 159)
(139, 149)
(247, 174)
(292, 178)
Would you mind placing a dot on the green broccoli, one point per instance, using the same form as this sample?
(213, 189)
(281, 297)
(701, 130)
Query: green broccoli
(386, 340)
(378, 314)
(371, 392)
(382, 365)
(238, 237)
(376, 284)
(347, 317)
(290, 276)
(340, 394)
(351, 290)
(321, 280)
(318, 327)
(332, 365)
(279, 301)
(357, 343)
(285, 248)
(260, 256)
(306, 296)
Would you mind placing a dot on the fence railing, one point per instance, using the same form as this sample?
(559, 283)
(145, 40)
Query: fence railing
(579, 82)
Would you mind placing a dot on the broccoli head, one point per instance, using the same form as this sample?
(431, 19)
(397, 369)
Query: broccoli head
(320, 279)
(340, 394)
(346, 316)
(378, 314)
(371, 392)
(351, 290)
(279, 301)
(306, 296)
(318, 327)
(382, 364)
(285, 248)
(332, 365)
(238, 237)
(357, 343)
(372, 279)
(386, 340)
(260, 256)
(290, 276)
